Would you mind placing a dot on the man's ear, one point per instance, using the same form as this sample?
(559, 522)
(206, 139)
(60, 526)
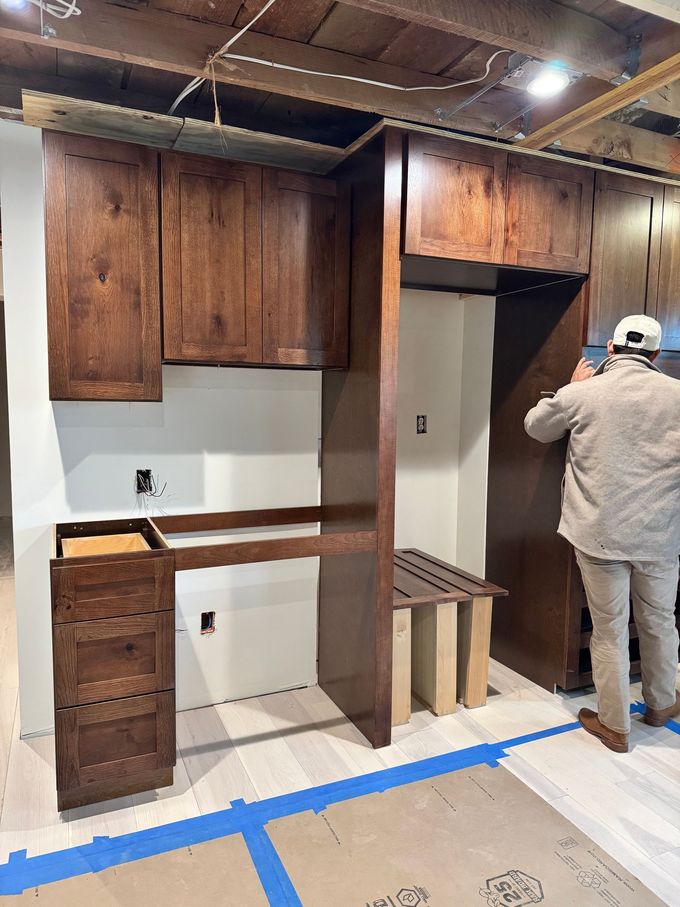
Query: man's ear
(610, 347)
(654, 356)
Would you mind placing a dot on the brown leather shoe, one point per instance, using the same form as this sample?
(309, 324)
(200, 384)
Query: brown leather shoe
(658, 717)
(613, 740)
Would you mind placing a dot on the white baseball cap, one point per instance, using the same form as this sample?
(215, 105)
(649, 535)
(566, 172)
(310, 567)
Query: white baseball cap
(639, 332)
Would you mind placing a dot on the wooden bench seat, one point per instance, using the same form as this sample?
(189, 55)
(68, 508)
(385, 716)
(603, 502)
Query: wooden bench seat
(442, 634)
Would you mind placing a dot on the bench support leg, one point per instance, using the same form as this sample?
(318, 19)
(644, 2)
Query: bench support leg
(401, 667)
(434, 648)
(474, 642)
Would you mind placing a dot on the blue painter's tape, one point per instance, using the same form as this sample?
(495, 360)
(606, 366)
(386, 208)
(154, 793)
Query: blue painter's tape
(249, 819)
(640, 708)
(273, 876)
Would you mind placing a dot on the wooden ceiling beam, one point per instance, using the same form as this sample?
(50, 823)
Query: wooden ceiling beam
(631, 144)
(599, 107)
(166, 41)
(665, 9)
(540, 28)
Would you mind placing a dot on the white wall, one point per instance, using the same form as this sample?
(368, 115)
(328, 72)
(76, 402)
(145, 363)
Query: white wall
(445, 357)
(223, 439)
(5, 492)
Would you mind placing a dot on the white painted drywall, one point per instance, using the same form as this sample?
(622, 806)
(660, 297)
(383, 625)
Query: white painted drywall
(445, 358)
(223, 439)
(5, 491)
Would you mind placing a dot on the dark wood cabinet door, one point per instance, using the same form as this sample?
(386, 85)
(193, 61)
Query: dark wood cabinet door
(103, 303)
(109, 741)
(96, 660)
(668, 301)
(455, 199)
(624, 265)
(549, 214)
(306, 270)
(212, 296)
(113, 589)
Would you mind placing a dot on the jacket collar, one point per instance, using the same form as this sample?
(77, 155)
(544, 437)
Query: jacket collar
(625, 360)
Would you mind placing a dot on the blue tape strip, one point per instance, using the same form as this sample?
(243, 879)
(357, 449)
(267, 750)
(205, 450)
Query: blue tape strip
(249, 819)
(639, 708)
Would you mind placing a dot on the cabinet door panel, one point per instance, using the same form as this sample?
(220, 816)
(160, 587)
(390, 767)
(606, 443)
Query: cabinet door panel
(96, 660)
(212, 300)
(306, 270)
(668, 304)
(109, 741)
(103, 302)
(455, 200)
(624, 265)
(549, 214)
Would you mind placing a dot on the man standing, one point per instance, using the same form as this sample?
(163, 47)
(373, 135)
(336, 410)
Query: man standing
(621, 512)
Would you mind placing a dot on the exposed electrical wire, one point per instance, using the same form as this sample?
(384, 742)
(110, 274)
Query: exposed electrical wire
(60, 9)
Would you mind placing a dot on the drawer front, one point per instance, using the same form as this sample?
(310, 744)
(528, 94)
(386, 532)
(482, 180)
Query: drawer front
(113, 589)
(111, 740)
(108, 659)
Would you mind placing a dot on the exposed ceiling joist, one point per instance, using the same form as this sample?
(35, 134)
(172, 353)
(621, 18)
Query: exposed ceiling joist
(665, 9)
(150, 37)
(601, 106)
(621, 142)
(540, 28)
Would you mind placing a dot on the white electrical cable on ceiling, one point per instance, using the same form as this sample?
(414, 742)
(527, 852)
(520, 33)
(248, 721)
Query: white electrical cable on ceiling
(60, 9)
(222, 54)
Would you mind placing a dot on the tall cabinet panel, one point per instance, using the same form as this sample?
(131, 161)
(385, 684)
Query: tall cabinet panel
(624, 268)
(212, 293)
(306, 270)
(549, 214)
(455, 202)
(668, 302)
(103, 304)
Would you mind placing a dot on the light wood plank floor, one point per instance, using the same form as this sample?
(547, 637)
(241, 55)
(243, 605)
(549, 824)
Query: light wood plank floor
(271, 745)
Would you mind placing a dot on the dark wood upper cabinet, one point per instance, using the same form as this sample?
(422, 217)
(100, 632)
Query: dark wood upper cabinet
(455, 199)
(306, 270)
(212, 282)
(624, 265)
(549, 214)
(668, 300)
(103, 303)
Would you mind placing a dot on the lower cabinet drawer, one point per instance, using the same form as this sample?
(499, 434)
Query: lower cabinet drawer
(111, 741)
(110, 659)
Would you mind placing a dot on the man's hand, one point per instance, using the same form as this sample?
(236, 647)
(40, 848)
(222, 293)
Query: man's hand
(583, 370)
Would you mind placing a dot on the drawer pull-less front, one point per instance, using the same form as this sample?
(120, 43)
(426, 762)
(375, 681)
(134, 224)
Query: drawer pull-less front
(109, 659)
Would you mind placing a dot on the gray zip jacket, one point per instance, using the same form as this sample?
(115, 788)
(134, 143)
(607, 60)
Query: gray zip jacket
(621, 498)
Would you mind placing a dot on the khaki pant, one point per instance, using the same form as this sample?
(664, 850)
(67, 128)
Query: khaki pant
(653, 586)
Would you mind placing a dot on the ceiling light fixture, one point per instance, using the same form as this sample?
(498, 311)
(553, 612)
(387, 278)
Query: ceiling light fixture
(551, 80)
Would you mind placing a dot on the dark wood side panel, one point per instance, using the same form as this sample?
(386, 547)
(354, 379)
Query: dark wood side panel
(668, 303)
(96, 660)
(455, 199)
(212, 279)
(358, 453)
(549, 214)
(103, 301)
(306, 270)
(625, 254)
(524, 553)
(113, 588)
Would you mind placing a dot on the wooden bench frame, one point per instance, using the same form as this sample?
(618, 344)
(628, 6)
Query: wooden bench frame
(442, 635)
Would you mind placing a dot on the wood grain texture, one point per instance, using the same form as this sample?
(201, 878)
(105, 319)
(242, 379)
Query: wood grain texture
(212, 282)
(104, 544)
(359, 451)
(306, 270)
(401, 668)
(113, 588)
(103, 302)
(524, 552)
(225, 553)
(237, 519)
(434, 656)
(100, 791)
(108, 741)
(549, 215)
(421, 579)
(474, 641)
(455, 200)
(625, 255)
(668, 299)
(113, 658)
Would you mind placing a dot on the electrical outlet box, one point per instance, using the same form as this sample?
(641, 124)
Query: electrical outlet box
(143, 481)
(421, 425)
